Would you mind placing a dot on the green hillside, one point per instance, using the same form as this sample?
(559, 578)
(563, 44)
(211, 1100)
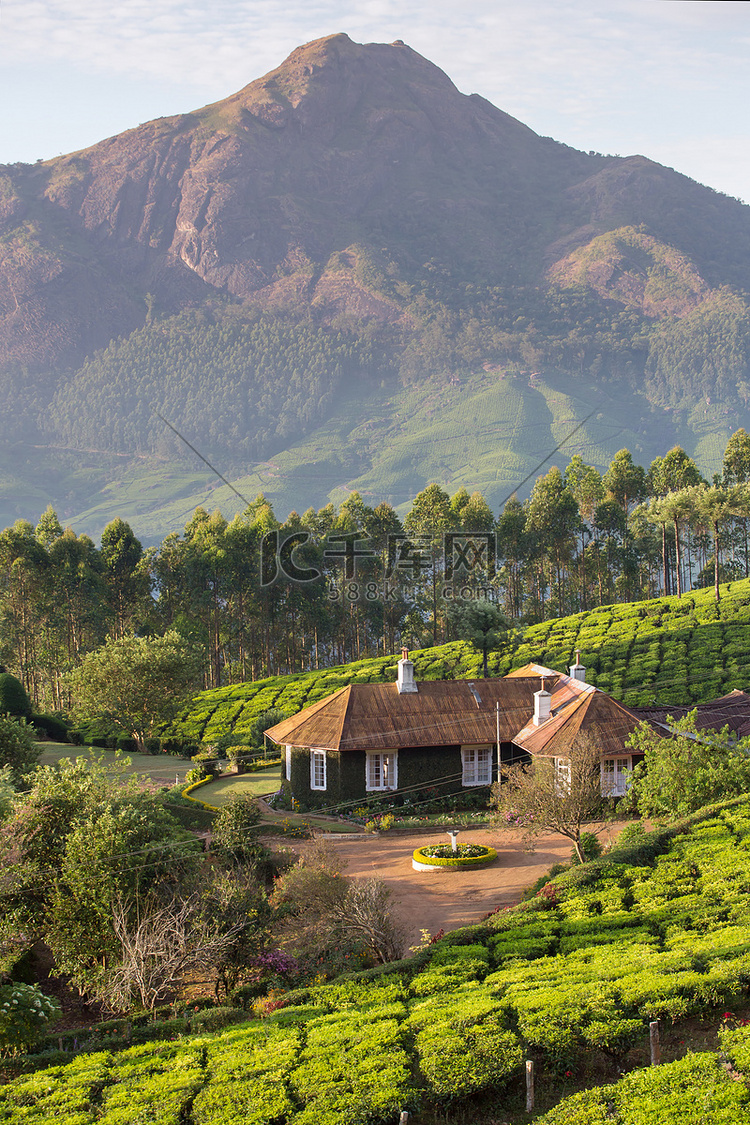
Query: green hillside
(668, 650)
(657, 929)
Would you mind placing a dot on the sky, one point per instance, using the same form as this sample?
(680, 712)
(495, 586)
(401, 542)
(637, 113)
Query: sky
(666, 78)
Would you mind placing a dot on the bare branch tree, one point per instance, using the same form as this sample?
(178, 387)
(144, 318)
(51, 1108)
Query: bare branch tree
(366, 913)
(554, 794)
(160, 945)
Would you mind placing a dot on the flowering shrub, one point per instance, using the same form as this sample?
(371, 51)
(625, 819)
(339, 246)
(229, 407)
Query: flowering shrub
(442, 855)
(25, 1013)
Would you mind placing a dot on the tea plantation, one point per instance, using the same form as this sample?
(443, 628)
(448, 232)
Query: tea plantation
(657, 929)
(669, 650)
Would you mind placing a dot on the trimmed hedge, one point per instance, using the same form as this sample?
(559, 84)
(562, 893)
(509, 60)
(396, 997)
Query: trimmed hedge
(456, 861)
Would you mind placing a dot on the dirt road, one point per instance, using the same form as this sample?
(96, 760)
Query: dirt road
(446, 899)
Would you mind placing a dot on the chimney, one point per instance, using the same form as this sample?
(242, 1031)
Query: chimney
(577, 670)
(542, 706)
(405, 677)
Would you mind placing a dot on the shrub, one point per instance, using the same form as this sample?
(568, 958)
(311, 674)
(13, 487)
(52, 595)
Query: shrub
(18, 750)
(213, 1019)
(458, 1062)
(14, 699)
(52, 725)
(25, 1013)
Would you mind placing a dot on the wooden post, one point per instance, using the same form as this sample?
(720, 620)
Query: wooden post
(653, 1031)
(529, 1085)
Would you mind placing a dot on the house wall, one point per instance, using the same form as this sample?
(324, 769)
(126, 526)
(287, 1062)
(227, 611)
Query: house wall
(428, 767)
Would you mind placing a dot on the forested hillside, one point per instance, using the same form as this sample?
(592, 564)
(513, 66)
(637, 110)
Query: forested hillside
(656, 557)
(657, 929)
(282, 273)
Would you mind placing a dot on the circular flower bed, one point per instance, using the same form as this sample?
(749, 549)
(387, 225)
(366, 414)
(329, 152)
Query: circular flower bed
(435, 856)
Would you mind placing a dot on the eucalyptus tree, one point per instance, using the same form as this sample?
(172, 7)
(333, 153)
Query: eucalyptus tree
(714, 506)
(736, 470)
(624, 480)
(126, 577)
(585, 483)
(513, 548)
(553, 515)
(429, 519)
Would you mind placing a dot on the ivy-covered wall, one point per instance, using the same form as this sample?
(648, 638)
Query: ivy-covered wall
(435, 768)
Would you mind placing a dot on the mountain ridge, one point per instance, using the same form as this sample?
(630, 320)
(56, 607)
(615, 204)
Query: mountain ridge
(352, 199)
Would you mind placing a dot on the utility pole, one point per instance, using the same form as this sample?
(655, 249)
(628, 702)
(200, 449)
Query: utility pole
(497, 738)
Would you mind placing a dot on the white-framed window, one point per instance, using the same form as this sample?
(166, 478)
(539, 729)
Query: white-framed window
(317, 769)
(476, 764)
(616, 776)
(288, 770)
(562, 776)
(382, 771)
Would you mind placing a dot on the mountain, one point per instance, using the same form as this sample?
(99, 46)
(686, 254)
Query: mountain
(278, 273)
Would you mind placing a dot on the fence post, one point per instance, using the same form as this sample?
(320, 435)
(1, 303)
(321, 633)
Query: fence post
(529, 1085)
(653, 1033)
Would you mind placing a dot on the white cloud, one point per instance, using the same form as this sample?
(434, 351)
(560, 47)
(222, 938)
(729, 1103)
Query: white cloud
(591, 74)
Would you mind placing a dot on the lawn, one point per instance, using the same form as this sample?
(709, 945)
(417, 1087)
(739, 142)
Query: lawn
(162, 768)
(253, 784)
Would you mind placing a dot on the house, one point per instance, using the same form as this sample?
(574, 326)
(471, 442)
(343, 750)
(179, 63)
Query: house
(445, 735)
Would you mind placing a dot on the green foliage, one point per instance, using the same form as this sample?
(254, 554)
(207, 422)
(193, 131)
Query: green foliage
(25, 1013)
(19, 753)
(458, 1061)
(14, 699)
(681, 774)
(135, 682)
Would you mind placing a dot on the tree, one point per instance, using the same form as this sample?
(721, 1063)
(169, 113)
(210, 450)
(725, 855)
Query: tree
(429, 519)
(688, 769)
(136, 683)
(624, 480)
(481, 623)
(553, 795)
(125, 577)
(128, 851)
(714, 506)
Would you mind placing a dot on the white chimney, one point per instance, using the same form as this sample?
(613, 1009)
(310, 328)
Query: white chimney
(577, 670)
(542, 706)
(405, 677)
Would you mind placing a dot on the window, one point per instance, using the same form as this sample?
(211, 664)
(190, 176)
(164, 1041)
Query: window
(382, 771)
(615, 776)
(317, 769)
(562, 776)
(477, 765)
(288, 773)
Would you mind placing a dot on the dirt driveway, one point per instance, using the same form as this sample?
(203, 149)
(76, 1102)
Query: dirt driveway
(447, 899)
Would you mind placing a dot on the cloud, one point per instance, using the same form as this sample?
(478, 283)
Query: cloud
(588, 73)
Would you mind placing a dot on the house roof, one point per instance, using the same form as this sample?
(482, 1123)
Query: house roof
(732, 710)
(440, 713)
(576, 715)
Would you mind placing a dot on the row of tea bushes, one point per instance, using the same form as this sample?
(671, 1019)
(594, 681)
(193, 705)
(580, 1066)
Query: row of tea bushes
(695, 1090)
(659, 928)
(669, 650)
(221, 710)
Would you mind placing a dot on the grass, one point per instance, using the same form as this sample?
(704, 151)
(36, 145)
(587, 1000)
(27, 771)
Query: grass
(250, 784)
(162, 768)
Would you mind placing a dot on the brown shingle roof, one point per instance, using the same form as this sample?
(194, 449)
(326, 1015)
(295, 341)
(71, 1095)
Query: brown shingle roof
(440, 713)
(590, 713)
(732, 710)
